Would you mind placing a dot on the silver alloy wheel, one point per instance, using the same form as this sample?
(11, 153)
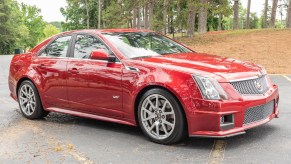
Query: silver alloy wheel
(27, 100)
(157, 116)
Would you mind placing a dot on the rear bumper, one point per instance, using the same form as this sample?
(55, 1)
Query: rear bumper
(207, 123)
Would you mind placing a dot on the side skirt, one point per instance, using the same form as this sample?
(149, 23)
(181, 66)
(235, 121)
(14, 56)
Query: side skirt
(87, 115)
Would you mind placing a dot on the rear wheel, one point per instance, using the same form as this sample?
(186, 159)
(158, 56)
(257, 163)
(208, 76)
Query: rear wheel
(160, 117)
(29, 101)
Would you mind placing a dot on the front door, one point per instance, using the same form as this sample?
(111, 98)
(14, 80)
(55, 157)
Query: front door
(94, 86)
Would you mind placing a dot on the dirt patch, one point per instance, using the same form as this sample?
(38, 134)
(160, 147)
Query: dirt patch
(270, 48)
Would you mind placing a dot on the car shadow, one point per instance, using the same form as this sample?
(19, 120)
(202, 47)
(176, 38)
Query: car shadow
(252, 136)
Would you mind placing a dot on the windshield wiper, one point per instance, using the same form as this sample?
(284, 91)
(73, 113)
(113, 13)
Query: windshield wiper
(168, 53)
(141, 57)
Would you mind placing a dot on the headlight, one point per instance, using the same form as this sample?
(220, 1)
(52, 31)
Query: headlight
(210, 88)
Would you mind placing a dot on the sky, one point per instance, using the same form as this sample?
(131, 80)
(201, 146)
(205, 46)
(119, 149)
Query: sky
(256, 5)
(50, 9)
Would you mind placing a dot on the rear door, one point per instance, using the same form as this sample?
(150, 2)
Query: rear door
(94, 86)
(51, 64)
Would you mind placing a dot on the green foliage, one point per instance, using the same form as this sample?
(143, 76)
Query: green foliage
(21, 26)
(56, 24)
(9, 30)
(34, 22)
(75, 15)
(50, 30)
(119, 14)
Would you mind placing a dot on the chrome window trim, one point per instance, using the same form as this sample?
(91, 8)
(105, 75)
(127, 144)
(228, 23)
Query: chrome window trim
(105, 61)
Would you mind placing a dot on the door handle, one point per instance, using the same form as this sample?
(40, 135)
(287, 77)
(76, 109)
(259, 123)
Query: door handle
(74, 71)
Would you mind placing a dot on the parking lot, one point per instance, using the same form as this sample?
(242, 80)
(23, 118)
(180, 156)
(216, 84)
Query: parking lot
(68, 139)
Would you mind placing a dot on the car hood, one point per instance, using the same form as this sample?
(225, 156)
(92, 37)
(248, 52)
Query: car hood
(222, 68)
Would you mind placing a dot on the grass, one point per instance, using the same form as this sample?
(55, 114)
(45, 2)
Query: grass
(268, 47)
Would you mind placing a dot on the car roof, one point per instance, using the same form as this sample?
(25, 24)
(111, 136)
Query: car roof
(104, 31)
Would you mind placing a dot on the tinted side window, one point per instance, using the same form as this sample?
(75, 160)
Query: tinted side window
(85, 44)
(58, 48)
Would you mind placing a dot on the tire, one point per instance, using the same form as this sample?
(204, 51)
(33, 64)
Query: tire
(163, 122)
(29, 101)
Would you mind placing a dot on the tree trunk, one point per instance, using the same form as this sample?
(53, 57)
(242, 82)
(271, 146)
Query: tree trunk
(151, 14)
(178, 14)
(105, 6)
(134, 18)
(146, 17)
(202, 19)
(191, 21)
(165, 14)
(235, 15)
(219, 28)
(273, 15)
(288, 20)
(99, 14)
(138, 18)
(248, 15)
(87, 14)
(265, 25)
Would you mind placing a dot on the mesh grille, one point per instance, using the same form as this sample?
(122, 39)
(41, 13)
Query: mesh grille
(258, 113)
(253, 86)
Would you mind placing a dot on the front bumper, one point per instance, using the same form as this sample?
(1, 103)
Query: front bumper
(206, 122)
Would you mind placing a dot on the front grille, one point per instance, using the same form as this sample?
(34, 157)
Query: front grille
(252, 86)
(258, 113)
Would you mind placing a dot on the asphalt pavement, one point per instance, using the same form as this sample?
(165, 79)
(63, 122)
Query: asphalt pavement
(60, 138)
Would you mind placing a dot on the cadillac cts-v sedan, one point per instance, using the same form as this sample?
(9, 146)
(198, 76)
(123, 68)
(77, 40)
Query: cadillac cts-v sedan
(141, 78)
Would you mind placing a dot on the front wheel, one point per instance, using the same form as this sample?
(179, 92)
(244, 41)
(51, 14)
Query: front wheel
(161, 118)
(29, 101)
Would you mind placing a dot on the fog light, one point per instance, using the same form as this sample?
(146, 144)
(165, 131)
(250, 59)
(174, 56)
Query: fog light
(227, 122)
(222, 119)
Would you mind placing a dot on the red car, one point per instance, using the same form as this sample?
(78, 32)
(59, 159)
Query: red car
(141, 78)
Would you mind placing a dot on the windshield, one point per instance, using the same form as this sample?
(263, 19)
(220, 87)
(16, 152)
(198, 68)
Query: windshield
(143, 44)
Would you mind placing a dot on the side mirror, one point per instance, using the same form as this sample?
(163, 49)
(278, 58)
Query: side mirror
(101, 54)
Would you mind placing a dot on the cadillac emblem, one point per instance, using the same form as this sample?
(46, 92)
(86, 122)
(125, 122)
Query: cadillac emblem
(259, 85)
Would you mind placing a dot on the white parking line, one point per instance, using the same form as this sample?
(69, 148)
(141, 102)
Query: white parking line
(286, 77)
(217, 153)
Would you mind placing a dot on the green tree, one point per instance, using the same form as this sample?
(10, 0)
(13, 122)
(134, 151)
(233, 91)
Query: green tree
(50, 30)
(34, 22)
(13, 32)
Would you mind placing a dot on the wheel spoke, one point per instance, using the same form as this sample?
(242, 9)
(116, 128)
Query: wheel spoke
(158, 130)
(165, 129)
(148, 118)
(157, 101)
(27, 108)
(168, 123)
(147, 111)
(23, 100)
(152, 127)
(168, 113)
(25, 90)
(164, 105)
(22, 91)
(150, 102)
